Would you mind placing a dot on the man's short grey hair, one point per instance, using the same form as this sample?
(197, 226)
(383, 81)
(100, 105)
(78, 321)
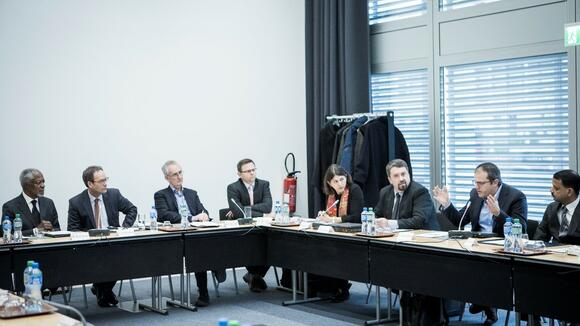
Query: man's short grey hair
(165, 166)
(27, 176)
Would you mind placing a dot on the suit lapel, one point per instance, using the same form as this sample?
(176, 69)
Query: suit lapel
(107, 203)
(171, 195)
(476, 206)
(189, 201)
(245, 194)
(574, 222)
(24, 209)
(390, 202)
(89, 209)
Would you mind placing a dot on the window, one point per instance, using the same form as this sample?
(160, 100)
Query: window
(445, 5)
(381, 11)
(405, 93)
(511, 112)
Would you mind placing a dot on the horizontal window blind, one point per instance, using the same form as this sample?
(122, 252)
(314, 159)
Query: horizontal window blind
(381, 11)
(445, 5)
(405, 93)
(513, 113)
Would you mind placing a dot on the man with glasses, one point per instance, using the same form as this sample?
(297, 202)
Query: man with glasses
(98, 207)
(490, 203)
(249, 191)
(36, 211)
(168, 202)
(561, 220)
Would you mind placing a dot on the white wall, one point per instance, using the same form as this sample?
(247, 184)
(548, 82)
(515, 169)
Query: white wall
(131, 84)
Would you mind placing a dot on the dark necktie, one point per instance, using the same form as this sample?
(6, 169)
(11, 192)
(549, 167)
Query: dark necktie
(35, 213)
(396, 207)
(564, 224)
(97, 213)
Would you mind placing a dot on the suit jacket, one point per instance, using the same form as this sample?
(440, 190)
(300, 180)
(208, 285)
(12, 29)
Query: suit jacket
(356, 201)
(416, 210)
(550, 226)
(82, 218)
(19, 205)
(512, 203)
(166, 204)
(239, 193)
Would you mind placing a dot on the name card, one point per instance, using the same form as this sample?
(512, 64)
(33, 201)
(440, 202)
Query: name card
(125, 232)
(231, 224)
(304, 226)
(325, 229)
(263, 221)
(405, 236)
(79, 236)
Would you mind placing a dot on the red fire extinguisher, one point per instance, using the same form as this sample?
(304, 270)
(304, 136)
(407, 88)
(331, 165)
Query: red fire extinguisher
(290, 184)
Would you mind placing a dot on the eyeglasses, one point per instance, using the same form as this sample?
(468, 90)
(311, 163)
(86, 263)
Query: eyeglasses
(480, 183)
(101, 181)
(178, 173)
(250, 170)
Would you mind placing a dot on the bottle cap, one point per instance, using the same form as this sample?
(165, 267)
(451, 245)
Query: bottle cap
(29, 263)
(516, 220)
(233, 323)
(223, 322)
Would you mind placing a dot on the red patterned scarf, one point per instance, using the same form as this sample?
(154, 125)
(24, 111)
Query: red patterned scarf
(342, 210)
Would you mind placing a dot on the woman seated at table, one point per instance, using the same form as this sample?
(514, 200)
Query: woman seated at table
(344, 203)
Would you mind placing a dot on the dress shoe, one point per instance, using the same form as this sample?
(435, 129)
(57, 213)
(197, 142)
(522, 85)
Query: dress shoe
(251, 280)
(491, 314)
(104, 303)
(111, 298)
(475, 309)
(342, 294)
(220, 275)
(94, 290)
(286, 282)
(260, 283)
(202, 299)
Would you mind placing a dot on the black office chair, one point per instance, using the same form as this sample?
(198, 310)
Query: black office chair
(532, 227)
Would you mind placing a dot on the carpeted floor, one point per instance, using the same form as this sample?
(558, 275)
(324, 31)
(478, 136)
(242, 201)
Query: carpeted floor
(249, 308)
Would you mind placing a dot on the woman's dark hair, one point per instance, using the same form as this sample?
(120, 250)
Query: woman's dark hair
(332, 171)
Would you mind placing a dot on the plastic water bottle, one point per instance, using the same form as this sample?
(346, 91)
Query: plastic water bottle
(7, 229)
(26, 277)
(278, 212)
(285, 213)
(184, 212)
(36, 282)
(17, 229)
(507, 234)
(371, 226)
(517, 236)
(153, 217)
(363, 220)
(223, 322)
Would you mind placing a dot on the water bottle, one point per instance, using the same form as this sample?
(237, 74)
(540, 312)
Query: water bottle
(153, 217)
(285, 213)
(184, 212)
(507, 235)
(363, 220)
(517, 236)
(371, 222)
(7, 229)
(17, 229)
(26, 277)
(36, 282)
(278, 212)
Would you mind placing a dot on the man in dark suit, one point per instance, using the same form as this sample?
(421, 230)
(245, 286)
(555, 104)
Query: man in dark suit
(404, 204)
(36, 211)
(561, 221)
(255, 193)
(168, 202)
(492, 201)
(98, 207)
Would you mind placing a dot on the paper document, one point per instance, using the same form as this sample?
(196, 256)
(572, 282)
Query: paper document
(434, 234)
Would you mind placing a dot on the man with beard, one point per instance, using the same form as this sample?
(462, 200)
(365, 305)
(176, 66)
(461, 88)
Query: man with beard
(561, 218)
(404, 204)
(492, 201)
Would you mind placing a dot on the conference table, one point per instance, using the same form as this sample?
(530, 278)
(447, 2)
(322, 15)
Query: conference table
(443, 268)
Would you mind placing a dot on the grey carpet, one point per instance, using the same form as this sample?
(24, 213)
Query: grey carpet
(249, 308)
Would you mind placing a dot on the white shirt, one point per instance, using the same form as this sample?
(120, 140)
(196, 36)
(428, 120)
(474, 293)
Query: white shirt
(29, 202)
(571, 208)
(102, 210)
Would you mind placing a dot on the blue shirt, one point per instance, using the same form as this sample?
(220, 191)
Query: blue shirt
(485, 216)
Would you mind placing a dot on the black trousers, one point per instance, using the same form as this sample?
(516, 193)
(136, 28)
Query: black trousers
(258, 270)
(201, 280)
(104, 287)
